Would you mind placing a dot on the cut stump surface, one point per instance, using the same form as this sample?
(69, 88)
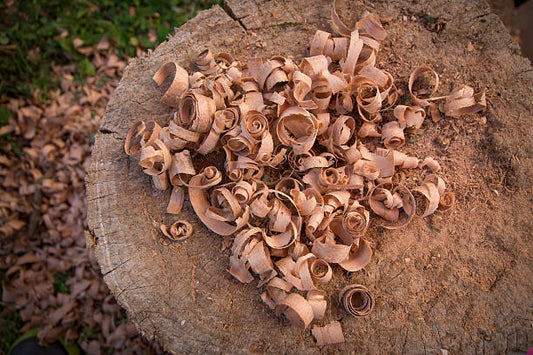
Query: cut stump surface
(461, 281)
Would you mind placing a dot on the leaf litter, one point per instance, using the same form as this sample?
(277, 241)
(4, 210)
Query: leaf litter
(51, 280)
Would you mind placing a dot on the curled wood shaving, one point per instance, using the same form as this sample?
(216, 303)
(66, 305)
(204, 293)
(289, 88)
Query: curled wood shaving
(181, 168)
(392, 135)
(140, 135)
(304, 272)
(179, 230)
(260, 262)
(463, 101)
(337, 23)
(175, 204)
(289, 273)
(249, 251)
(352, 225)
(312, 157)
(196, 112)
(420, 96)
(359, 256)
(179, 85)
(317, 300)
(223, 121)
(409, 116)
(226, 216)
(459, 102)
(275, 292)
(437, 181)
(297, 129)
(431, 164)
(356, 300)
(328, 250)
(328, 334)
(427, 198)
(160, 181)
(394, 203)
(447, 201)
(155, 158)
(132, 144)
(369, 129)
(320, 271)
(296, 309)
(404, 161)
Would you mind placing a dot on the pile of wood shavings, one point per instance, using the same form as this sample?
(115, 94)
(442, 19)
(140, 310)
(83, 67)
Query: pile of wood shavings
(311, 150)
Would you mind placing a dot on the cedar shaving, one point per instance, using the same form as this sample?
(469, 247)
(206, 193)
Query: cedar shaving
(356, 300)
(179, 230)
(311, 155)
(329, 334)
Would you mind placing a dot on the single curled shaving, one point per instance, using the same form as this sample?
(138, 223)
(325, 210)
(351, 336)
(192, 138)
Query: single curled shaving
(328, 334)
(296, 309)
(179, 85)
(356, 300)
(179, 230)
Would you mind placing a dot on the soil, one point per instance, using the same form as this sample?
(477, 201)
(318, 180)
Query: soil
(460, 281)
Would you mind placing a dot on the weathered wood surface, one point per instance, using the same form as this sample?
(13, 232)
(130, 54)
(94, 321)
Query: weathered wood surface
(180, 293)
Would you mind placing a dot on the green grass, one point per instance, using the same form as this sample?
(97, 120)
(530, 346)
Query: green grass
(5, 114)
(60, 282)
(10, 322)
(123, 318)
(34, 34)
(9, 330)
(87, 333)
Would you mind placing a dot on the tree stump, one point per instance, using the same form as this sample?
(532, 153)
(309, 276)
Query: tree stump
(460, 281)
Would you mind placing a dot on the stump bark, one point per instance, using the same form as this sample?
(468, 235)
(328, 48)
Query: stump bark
(466, 287)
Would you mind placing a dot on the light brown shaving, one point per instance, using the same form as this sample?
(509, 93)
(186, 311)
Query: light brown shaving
(392, 135)
(196, 112)
(296, 309)
(460, 101)
(409, 116)
(275, 292)
(463, 101)
(181, 168)
(179, 85)
(356, 300)
(155, 158)
(447, 201)
(326, 249)
(175, 203)
(431, 164)
(428, 198)
(318, 303)
(369, 129)
(395, 204)
(328, 334)
(132, 145)
(320, 271)
(337, 23)
(359, 256)
(179, 230)
(420, 96)
(371, 25)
